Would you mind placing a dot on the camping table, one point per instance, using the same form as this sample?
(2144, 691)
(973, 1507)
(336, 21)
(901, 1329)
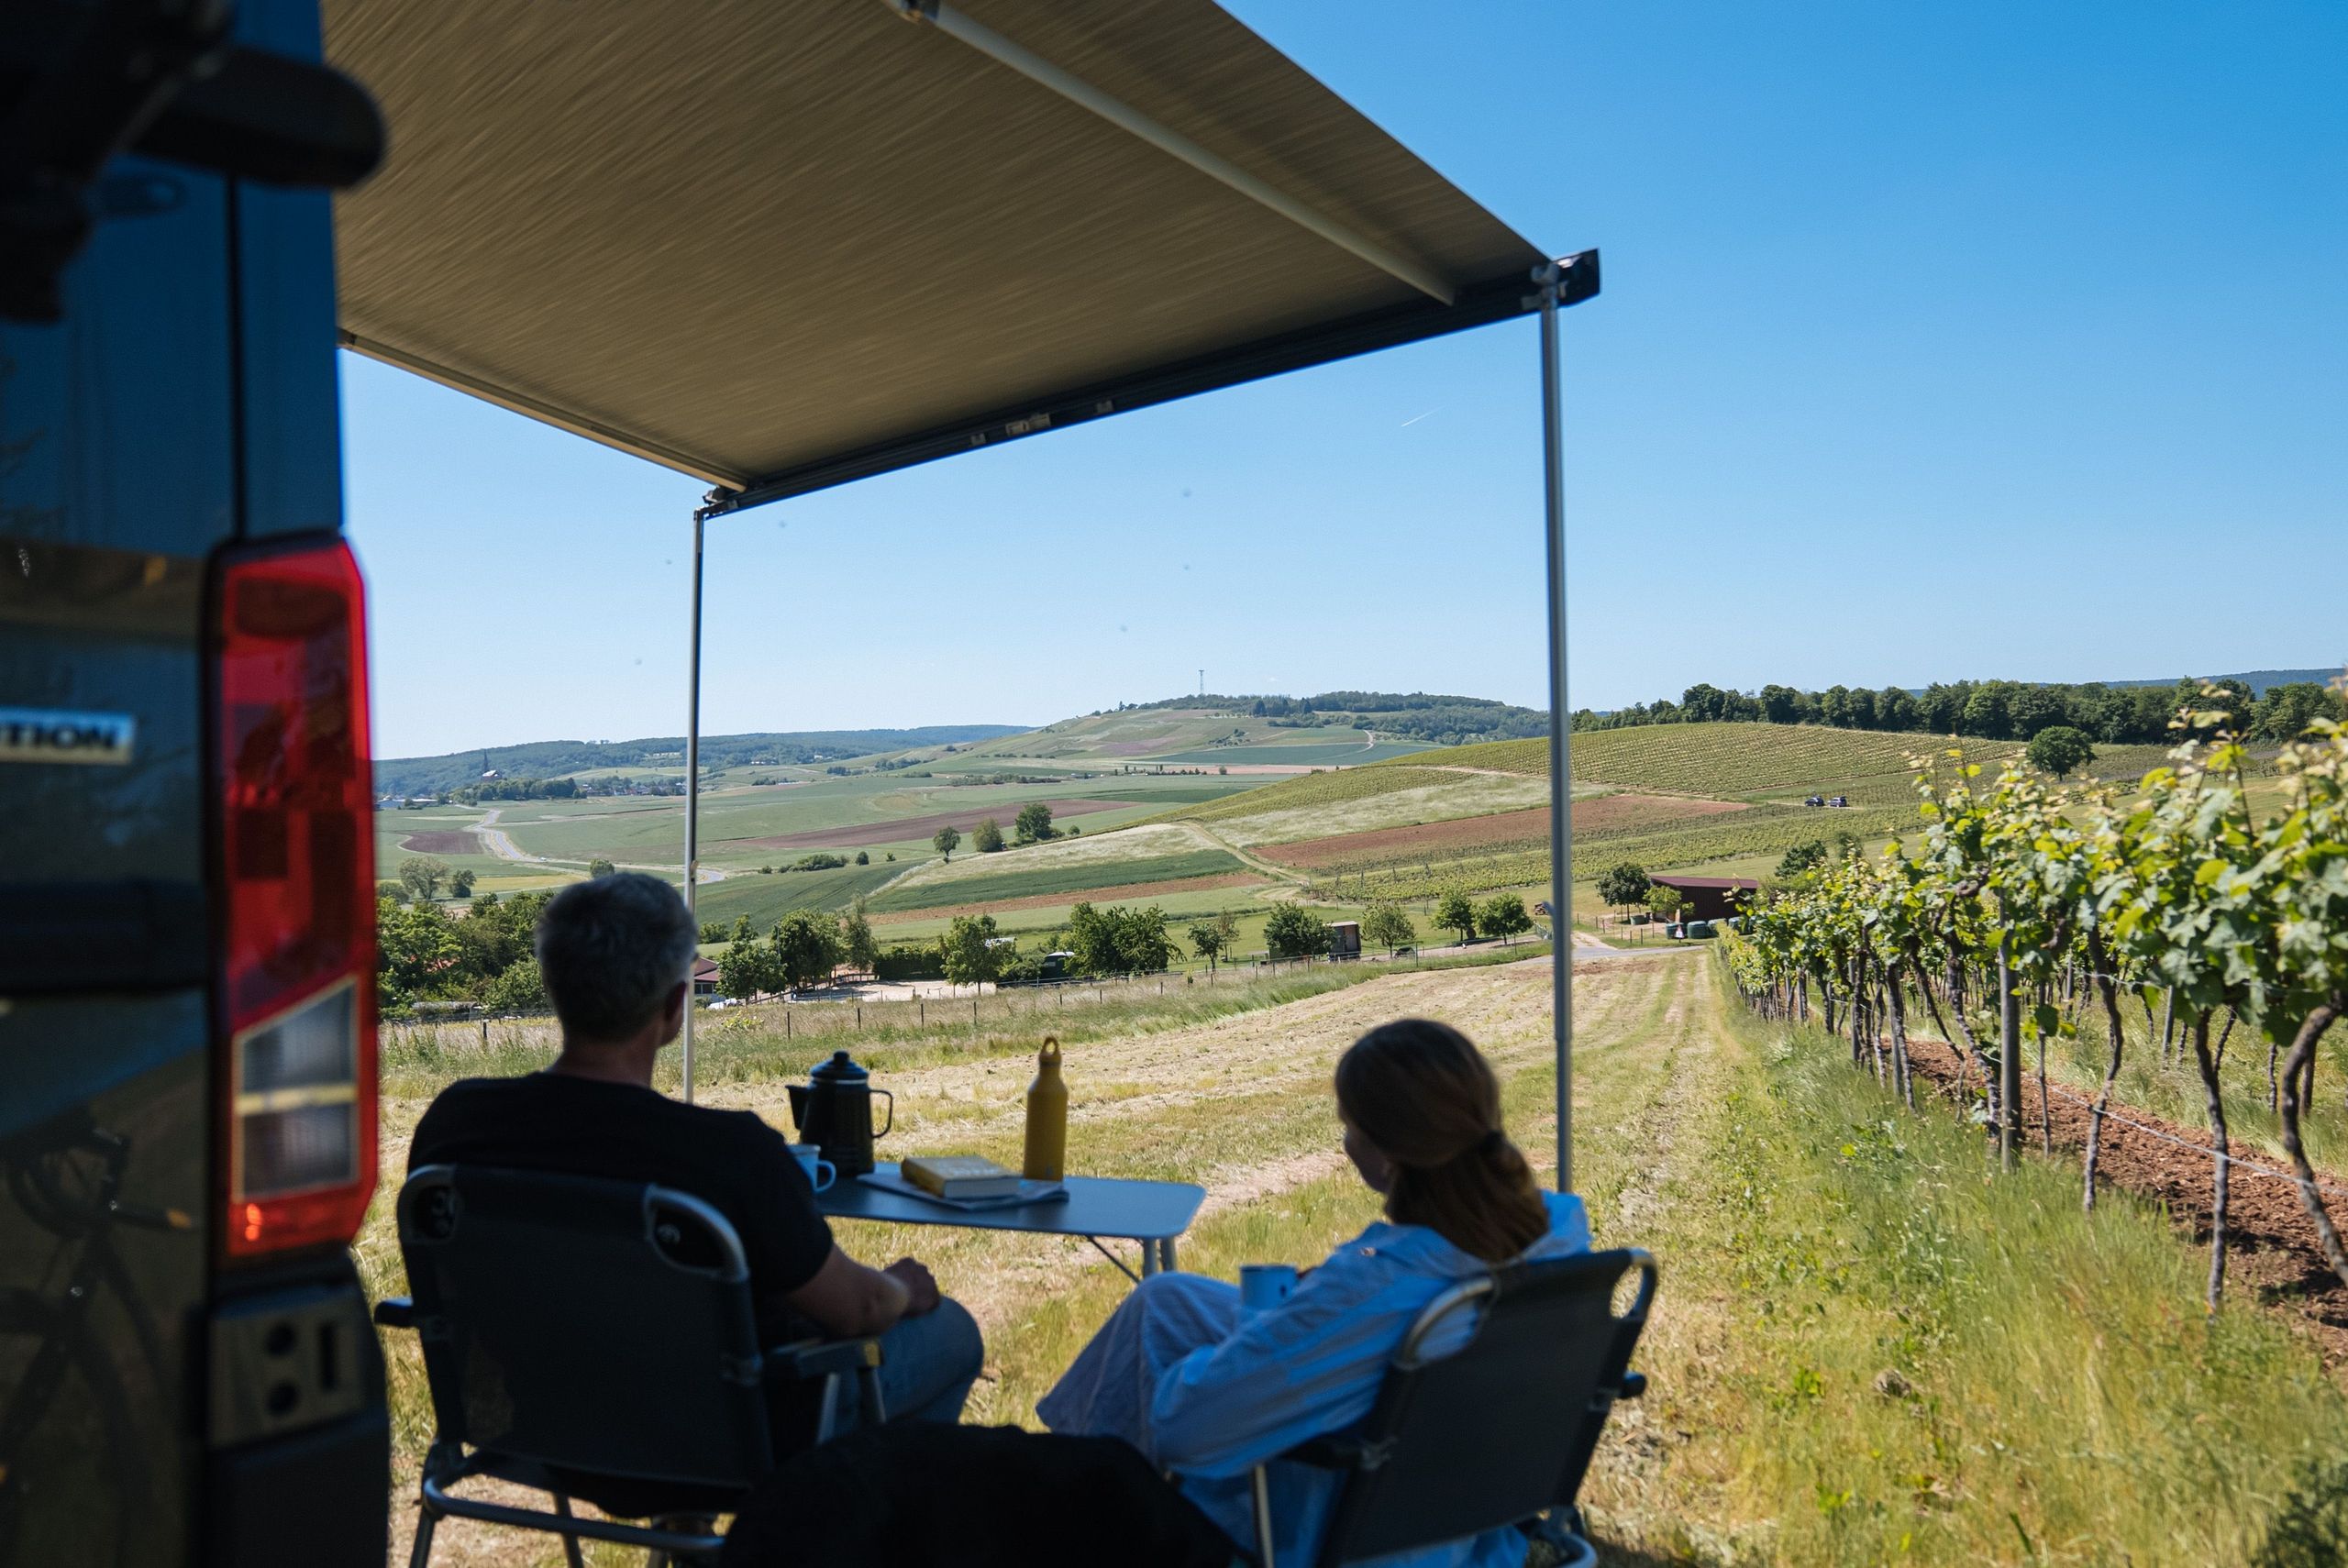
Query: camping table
(1151, 1213)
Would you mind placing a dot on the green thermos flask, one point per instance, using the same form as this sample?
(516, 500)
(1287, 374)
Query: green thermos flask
(1047, 1117)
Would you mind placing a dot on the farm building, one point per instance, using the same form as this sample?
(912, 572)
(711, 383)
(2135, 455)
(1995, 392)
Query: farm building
(1710, 898)
(704, 977)
(1345, 939)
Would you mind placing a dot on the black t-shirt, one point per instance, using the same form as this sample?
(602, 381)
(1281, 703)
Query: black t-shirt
(729, 1159)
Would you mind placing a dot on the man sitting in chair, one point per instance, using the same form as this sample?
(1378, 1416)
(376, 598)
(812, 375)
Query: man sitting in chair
(616, 953)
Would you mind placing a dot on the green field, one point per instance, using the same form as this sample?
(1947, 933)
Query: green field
(1064, 877)
(1341, 753)
(767, 900)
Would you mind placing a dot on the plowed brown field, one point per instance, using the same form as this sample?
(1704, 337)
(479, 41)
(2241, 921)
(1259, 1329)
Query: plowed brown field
(464, 842)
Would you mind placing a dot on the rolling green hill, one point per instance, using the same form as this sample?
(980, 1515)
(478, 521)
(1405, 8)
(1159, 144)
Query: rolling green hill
(557, 759)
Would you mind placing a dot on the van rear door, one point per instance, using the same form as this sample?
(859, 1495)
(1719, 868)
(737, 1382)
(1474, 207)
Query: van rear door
(173, 1390)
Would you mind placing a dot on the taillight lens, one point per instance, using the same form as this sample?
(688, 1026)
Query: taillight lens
(296, 836)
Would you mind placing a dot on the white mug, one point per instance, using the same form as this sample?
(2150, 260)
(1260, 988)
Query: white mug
(820, 1173)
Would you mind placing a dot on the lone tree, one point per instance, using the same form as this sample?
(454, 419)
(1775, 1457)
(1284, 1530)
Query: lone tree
(947, 839)
(1295, 932)
(970, 959)
(1667, 902)
(749, 969)
(806, 948)
(1386, 924)
(855, 937)
(599, 866)
(1625, 885)
(461, 883)
(421, 876)
(2059, 749)
(1456, 911)
(1504, 915)
(1798, 861)
(986, 836)
(1034, 823)
(1206, 941)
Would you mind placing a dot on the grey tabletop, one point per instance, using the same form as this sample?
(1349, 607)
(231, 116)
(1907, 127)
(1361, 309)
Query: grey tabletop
(1096, 1206)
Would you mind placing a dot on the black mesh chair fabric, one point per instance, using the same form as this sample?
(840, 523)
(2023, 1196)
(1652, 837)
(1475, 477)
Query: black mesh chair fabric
(1499, 1430)
(595, 1327)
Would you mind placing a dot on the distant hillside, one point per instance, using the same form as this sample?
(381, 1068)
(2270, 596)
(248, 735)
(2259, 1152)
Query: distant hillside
(1432, 717)
(2258, 681)
(554, 760)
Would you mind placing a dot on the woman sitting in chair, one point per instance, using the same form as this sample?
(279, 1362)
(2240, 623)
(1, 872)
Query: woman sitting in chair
(1210, 1390)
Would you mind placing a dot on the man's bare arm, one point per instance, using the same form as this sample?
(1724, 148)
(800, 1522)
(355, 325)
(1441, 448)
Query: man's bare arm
(846, 1299)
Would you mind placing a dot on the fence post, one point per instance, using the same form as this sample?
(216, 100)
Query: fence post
(484, 1035)
(786, 1020)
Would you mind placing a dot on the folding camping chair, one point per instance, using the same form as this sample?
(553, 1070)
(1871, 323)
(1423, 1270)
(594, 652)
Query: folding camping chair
(1491, 1433)
(594, 1338)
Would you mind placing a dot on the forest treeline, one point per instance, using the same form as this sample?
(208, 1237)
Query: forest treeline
(1997, 709)
(1432, 717)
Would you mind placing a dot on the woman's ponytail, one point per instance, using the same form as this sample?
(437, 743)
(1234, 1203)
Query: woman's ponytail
(1426, 1097)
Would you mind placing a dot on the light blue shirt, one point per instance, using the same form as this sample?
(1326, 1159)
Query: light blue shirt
(1314, 1365)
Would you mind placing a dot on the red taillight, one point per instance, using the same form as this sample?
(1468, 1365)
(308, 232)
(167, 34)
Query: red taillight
(298, 848)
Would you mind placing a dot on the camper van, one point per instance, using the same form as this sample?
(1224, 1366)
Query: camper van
(187, 956)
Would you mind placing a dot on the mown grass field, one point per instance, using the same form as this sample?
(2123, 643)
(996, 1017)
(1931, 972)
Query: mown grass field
(1865, 1350)
(1039, 877)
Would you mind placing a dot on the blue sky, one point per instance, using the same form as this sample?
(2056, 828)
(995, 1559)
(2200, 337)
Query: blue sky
(1937, 341)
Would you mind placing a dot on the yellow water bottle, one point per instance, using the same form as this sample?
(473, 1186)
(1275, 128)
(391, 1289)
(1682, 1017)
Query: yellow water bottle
(1047, 1117)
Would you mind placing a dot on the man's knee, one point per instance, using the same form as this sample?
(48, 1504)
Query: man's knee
(959, 1344)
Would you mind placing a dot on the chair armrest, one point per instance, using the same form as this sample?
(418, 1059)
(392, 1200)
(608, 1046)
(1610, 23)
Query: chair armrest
(1634, 1385)
(395, 1312)
(806, 1360)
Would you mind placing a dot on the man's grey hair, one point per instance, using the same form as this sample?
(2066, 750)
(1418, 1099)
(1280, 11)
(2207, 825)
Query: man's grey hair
(611, 951)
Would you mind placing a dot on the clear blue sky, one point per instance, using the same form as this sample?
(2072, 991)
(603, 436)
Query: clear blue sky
(1938, 340)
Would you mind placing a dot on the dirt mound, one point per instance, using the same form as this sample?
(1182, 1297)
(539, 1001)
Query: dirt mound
(2270, 1242)
(905, 828)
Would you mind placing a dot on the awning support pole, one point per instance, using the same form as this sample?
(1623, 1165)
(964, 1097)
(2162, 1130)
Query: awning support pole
(1561, 821)
(692, 802)
(1123, 115)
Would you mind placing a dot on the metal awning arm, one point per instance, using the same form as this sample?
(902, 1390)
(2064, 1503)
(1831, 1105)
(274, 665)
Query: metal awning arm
(1076, 90)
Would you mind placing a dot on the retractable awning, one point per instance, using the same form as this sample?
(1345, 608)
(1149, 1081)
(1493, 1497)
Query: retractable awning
(781, 246)
(785, 244)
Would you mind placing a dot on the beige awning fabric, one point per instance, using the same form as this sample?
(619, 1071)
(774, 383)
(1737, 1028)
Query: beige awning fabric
(782, 244)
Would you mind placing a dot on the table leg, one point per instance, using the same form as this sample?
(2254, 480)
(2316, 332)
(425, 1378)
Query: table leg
(1148, 1259)
(1166, 1254)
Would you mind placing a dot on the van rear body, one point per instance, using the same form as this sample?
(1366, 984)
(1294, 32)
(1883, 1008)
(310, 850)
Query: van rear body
(188, 1103)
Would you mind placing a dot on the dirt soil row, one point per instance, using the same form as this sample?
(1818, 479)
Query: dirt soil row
(464, 842)
(2271, 1245)
(922, 827)
(1605, 813)
(1125, 894)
